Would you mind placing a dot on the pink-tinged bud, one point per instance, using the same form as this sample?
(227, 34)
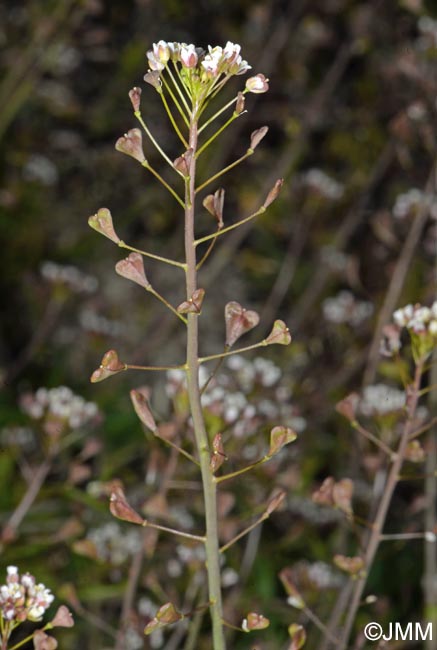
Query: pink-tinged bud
(188, 56)
(238, 321)
(42, 641)
(102, 223)
(351, 565)
(194, 304)
(257, 84)
(254, 621)
(279, 335)
(131, 143)
(218, 455)
(161, 51)
(152, 78)
(132, 268)
(142, 409)
(279, 437)
(275, 502)
(239, 106)
(294, 597)
(135, 98)
(109, 366)
(342, 495)
(348, 406)
(120, 508)
(62, 618)
(323, 496)
(183, 163)
(257, 136)
(214, 204)
(274, 193)
(298, 636)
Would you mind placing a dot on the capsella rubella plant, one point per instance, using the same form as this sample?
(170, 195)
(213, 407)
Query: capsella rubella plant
(188, 81)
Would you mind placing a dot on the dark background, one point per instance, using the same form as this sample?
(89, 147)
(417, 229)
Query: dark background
(352, 94)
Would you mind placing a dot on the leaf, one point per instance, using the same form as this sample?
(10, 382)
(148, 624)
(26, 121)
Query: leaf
(352, 565)
(238, 321)
(131, 143)
(298, 636)
(166, 615)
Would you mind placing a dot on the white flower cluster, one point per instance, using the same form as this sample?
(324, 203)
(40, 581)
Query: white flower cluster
(70, 276)
(344, 308)
(324, 184)
(217, 61)
(418, 319)
(114, 545)
(409, 202)
(21, 598)
(96, 324)
(380, 399)
(227, 395)
(60, 403)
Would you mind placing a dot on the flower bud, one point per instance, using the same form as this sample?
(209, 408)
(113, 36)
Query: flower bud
(135, 98)
(132, 268)
(188, 56)
(102, 223)
(152, 77)
(238, 321)
(142, 409)
(280, 334)
(274, 193)
(161, 51)
(239, 106)
(120, 508)
(109, 366)
(257, 84)
(131, 143)
(257, 136)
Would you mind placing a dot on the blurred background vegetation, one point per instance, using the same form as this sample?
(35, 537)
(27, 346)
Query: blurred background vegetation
(352, 129)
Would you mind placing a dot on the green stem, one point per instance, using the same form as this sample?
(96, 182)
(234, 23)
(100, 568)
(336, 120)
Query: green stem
(129, 366)
(208, 252)
(178, 90)
(231, 227)
(217, 133)
(172, 120)
(179, 449)
(201, 436)
(168, 187)
(238, 472)
(152, 139)
(248, 153)
(28, 638)
(244, 532)
(221, 355)
(166, 260)
(222, 110)
(167, 304)
(173, 531)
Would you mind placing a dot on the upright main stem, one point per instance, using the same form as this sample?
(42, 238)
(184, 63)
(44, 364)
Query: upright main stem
(202, 441)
